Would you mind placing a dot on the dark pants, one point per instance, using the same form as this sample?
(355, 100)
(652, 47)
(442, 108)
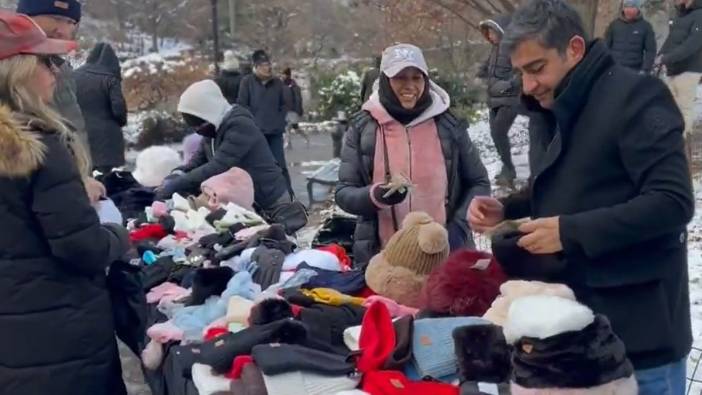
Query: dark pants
(277, 146)
(501, 120)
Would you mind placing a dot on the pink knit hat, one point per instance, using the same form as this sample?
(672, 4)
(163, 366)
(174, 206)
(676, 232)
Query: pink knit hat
(233, 186)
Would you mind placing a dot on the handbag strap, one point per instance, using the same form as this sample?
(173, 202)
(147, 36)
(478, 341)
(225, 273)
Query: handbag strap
(388, 176)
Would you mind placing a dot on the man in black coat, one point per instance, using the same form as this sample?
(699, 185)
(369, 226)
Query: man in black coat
(631, 39)
(682, 56)
(232, 139)
(99, 91)
(503, 95)
(264, 95)
(229, 77)
(611, 195)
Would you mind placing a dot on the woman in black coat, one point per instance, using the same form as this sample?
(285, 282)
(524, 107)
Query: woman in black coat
(99, 92)
(56, 328)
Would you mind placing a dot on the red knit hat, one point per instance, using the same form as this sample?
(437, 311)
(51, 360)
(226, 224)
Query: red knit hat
(377, 340)
(395, 383)
(19, 34)
(465, 285)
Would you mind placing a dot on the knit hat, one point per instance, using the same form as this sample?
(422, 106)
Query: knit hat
(230, 63)
(259, 57)
(632, 3)
(154, 164)
(433, 345)
(204, 100)
(518, 262)
(396, 383)
(560, 345)
(401, 269)
(67, 8)
(512, 290)
(279, 358)
(306, 383)
(233, 186)
(466, 285)
(377, 339)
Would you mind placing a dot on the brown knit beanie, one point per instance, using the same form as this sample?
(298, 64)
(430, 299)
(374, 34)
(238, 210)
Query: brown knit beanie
(401, 269)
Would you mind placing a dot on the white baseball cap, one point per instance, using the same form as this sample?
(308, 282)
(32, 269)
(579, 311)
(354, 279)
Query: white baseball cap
(401, 56)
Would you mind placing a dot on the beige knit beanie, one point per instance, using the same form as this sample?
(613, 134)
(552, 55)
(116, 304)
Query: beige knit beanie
(420, 245)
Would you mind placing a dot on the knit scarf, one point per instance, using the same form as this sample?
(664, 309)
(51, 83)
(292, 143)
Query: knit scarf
(393, 106)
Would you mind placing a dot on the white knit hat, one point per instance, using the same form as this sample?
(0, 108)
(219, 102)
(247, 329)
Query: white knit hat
(230, 63)
(154, 164)
(307, 383)
(204, 100)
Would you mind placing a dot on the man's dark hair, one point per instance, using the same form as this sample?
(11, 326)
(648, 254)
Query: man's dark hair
(552, 22)
(287, 72)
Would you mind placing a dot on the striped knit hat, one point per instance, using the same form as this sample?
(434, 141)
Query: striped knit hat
(399, 271)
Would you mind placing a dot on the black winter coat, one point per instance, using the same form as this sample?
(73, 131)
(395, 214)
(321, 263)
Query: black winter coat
(467, 178)
(616, 174)
(56, 326)
(682, 50)
(99, 92)
(504, 86)
(229, 81)
(632, 44)
(265, 101)
(239, 143)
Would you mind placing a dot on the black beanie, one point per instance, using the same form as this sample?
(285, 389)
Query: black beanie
(260, 56)
(68, 8)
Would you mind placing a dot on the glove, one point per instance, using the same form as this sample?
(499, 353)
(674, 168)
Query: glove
(385, 195)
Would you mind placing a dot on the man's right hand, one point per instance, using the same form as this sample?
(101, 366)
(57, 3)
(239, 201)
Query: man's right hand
(485, 213)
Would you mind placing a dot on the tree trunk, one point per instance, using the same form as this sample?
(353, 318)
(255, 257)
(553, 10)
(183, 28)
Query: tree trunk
(154, 37)
(588, 12)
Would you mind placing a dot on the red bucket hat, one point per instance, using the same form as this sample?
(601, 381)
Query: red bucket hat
(19, 34)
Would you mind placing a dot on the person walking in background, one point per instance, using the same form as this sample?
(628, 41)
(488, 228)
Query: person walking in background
(503, 95)
(369, 77)
(681, 55)
(59, 20)
(264, 95)
(99, 92)
(57, 334)
(611, 198)
(229, 77)
(294, 100)
(406, 152)
(631, 39)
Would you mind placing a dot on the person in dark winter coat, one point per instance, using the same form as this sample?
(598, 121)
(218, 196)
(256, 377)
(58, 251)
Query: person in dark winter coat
(56, 326)
(264, 95)
(231, 139)
(99, 91)
(229, 77)
(295, 101)
(59, 19)
(369, 77)
(503, 95)
(612, 194)
(682, 56)
(406, 152)
(631, 39)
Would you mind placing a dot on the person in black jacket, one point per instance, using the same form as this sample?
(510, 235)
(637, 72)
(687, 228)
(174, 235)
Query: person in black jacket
(681, 55)
(99, 91)
(612, 195)
(631, 39)
(229, 77)
(503, 95)
(231, 139)
(56, 323)
(264, 95)
(370, 76)
(406, 152)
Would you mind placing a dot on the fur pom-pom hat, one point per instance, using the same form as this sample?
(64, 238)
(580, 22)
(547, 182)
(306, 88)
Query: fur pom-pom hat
(562, 347)
(515, 289)
(154, 164)
(401, 269)
(465, 285)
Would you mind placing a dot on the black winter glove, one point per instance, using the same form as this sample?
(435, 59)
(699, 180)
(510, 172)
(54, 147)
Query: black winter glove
(397, 197)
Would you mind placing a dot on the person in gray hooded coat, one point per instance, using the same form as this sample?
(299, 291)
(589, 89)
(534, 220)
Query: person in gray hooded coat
(99, 91)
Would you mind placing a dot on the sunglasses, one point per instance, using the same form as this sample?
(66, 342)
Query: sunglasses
(50, 61)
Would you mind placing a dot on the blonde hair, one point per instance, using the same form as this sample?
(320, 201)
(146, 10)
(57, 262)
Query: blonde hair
(30, 110)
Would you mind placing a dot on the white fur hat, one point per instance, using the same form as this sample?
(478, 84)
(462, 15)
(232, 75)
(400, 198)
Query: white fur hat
(154, 164)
